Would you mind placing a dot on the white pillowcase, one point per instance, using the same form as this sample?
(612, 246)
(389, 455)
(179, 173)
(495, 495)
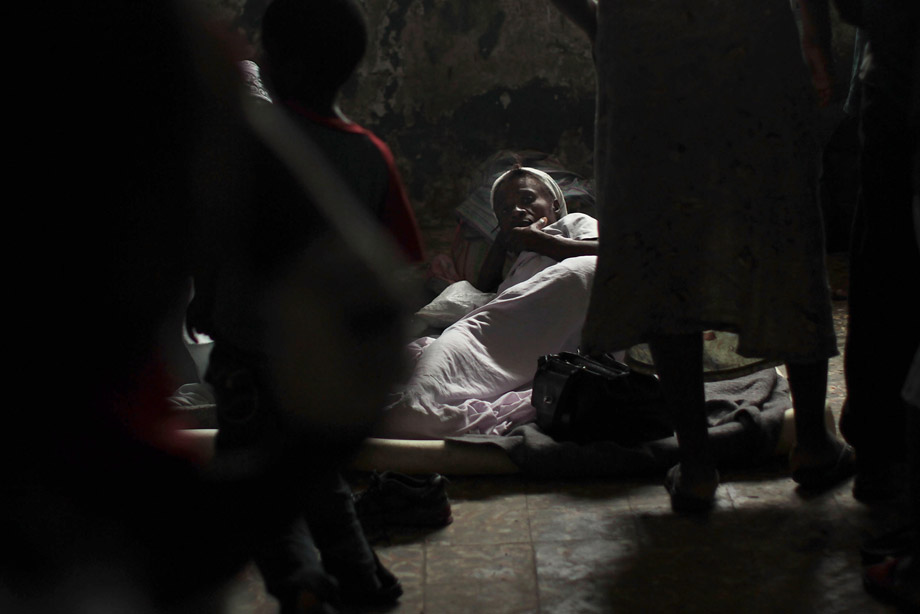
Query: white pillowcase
(457, 300)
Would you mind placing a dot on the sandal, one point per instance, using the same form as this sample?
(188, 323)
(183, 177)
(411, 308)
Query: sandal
(383, 589)
(826, 476)
(876, 482)
(702, 498)
(895, 544)
(886, 582)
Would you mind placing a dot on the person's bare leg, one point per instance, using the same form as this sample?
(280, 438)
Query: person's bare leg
(818, 459)
(808, 384)
(679, 362)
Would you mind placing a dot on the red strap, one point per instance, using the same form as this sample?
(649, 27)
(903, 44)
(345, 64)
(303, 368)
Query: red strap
(397, 215)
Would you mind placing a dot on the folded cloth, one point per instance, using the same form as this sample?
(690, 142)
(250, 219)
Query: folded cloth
(193, 395)
(457, 300)
(745, 417)
(196, 403)
(476, 377)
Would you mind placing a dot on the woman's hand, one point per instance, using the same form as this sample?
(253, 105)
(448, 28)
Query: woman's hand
(529, 238)
(510, 242)
(532, 239)
(816, 46)
(819, 65)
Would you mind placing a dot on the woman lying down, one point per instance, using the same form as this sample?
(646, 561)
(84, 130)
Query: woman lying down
(477, 375)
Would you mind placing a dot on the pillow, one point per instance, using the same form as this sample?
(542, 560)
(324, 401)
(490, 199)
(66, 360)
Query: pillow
(457, 300)
(468, 251)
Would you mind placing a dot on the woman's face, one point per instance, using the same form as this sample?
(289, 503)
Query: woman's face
(521, 200)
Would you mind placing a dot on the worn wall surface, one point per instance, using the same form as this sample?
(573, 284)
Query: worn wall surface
(447, 84)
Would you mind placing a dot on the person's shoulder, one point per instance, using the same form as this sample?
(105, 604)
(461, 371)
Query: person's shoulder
(579, 218)
(370, 139)
(578, 226)
(348, 141)
(379, 143)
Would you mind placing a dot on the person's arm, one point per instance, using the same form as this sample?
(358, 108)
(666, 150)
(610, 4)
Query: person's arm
(816, 46)
(493, 267)
(531, 239)
(583, 13)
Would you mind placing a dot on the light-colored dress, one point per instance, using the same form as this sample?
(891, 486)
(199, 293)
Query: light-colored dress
(706, 169)
(476, 377)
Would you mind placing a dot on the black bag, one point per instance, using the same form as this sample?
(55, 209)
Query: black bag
(582, 399)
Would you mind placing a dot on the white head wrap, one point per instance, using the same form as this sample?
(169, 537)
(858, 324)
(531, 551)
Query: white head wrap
(544, 178)
(252, 79)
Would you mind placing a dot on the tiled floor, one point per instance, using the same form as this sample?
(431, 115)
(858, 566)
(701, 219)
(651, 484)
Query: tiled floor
(525, 545)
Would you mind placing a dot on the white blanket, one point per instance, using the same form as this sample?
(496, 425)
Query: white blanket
(476, 376)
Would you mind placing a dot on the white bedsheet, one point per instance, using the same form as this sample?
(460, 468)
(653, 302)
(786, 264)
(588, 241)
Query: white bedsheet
(476, 376)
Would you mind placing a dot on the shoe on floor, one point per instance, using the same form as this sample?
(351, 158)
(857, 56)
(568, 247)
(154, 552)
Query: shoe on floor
(382, 589)
(887, 581)
(312, 592)
(690, 499)
(891, 544)
(396, 499)
(829, 475)
(306, 603)
(879, 481)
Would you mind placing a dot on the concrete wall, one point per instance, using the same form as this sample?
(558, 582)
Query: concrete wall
(446, 84)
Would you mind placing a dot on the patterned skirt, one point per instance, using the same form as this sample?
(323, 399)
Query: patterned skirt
(706, 167)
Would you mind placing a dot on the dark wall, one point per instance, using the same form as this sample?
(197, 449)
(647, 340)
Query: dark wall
(447, 84)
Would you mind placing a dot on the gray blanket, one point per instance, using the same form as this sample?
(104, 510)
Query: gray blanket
(745, 419)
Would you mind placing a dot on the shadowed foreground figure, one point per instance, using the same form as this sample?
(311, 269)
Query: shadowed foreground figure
(116, 508)
(881, 416)
(310, 49)
(874, 416)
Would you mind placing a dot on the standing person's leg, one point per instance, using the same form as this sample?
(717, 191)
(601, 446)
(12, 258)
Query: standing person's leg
(874, 415)
(679, 361)
(291, 569)
(914, 474)
(897, 579)
(248, 448)
(818, 460)
(345, 551)
(914, 484)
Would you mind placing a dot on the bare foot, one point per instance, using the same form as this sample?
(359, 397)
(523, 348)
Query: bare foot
(821, 468)
(692, 488)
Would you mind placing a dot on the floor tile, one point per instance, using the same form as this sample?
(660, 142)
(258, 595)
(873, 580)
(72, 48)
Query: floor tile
(574, 522)
(520, 545)
(489, 577)
(575, 576)
(483, 522)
